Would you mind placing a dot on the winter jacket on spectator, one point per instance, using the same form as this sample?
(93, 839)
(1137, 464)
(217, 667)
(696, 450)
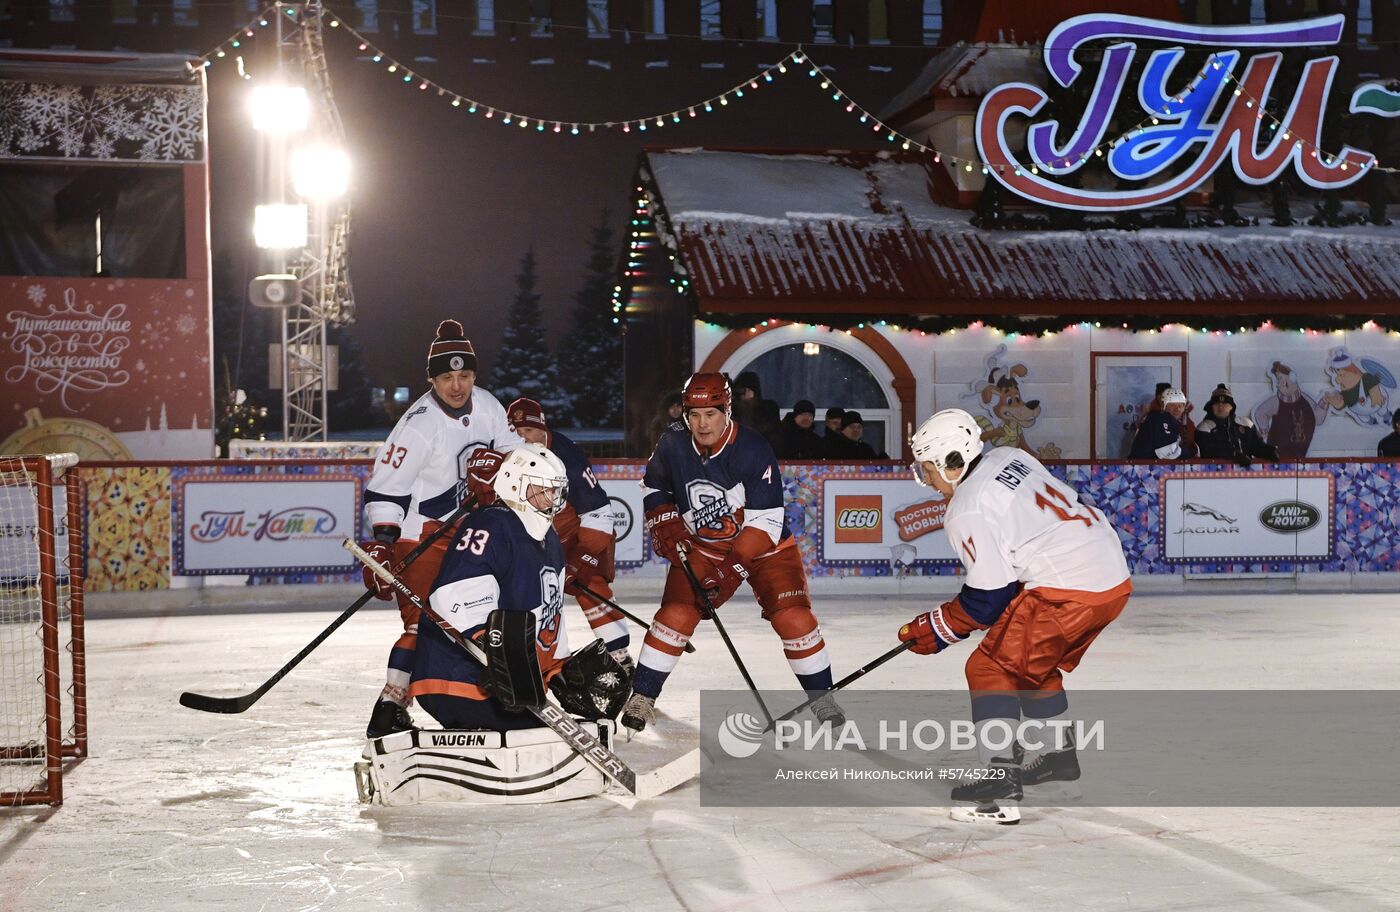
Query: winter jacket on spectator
(793, 441)
(1229, 436)
(1159, 437)
(753, 411)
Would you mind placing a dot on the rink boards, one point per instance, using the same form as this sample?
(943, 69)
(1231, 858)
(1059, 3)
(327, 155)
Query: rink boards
(276, 521)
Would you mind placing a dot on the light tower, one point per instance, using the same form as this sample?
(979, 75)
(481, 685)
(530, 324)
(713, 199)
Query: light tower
(302, 221)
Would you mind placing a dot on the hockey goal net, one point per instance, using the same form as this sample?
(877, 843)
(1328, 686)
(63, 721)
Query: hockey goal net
(43, 687)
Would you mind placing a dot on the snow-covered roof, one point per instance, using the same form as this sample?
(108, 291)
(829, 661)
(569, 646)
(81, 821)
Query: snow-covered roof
(968, 71)
(849, 231)
(97, 67)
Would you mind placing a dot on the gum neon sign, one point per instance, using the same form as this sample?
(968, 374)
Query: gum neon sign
(1182, 128)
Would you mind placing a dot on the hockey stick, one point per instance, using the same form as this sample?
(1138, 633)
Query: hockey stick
(239, 704)
(620, 610)
(860, 672)
(647, 785)
(714, 616)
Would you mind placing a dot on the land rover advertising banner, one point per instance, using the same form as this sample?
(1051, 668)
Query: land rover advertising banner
(1246, 516)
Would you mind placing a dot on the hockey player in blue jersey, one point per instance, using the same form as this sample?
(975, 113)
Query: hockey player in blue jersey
(419, 480)
(502, 581)
(585, 528)
(716, 492)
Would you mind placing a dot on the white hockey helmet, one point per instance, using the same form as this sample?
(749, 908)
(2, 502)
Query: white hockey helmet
(949, 439)
(1173, 396)
(533, 483)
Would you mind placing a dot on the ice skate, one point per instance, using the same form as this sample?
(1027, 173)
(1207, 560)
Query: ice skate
(388, 717)
(1053, 774)
(638, 712)
(828, 710)
(994, 796)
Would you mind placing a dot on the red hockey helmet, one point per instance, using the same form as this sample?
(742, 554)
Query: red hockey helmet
(707, 389)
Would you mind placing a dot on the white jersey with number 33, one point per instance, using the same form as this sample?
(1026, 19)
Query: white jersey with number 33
(1012, 520)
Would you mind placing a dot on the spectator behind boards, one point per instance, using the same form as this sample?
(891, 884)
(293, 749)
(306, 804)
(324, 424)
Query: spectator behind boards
(1224, 435)
(795, 438)
(751, 409)
(1389, 447)
(1160, 436)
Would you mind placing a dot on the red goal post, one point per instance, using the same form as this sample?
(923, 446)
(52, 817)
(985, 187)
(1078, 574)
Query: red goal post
(43, 680)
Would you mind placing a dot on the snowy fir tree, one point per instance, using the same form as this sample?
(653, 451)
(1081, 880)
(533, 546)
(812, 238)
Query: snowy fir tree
(595, 340)
(525, 366)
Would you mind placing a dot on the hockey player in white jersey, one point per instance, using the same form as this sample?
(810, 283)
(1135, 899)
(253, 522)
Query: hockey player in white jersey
(1045, 574)
(420, 478)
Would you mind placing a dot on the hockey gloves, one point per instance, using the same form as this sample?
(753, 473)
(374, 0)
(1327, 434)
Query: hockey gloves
(481, 475)
(719, 578)
(382, 550)
(512, 675)
(929, 633)
(591, 563)
(592, 685)
(667, 531)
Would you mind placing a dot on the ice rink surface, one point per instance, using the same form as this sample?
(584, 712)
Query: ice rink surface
(179, 810)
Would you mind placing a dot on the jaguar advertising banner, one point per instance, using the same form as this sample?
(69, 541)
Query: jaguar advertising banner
(894, 523)
(1247, 516)
(264, 524)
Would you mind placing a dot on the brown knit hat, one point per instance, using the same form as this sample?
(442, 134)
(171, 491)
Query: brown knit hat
(525, 413)
(450, 351)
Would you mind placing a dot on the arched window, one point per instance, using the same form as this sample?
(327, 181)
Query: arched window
(829, 378)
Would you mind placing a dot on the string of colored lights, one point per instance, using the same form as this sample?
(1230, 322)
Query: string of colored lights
(799, 57)
(411, 77)
(802, 57)
(1026, 329)
(235, 41)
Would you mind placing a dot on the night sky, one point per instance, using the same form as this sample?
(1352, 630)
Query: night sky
(446, 203)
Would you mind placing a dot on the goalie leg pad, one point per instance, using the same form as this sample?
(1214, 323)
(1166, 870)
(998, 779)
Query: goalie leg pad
(592, 684)
(513, 662)
(526, 766)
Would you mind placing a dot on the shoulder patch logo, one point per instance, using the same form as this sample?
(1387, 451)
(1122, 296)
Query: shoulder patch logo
(418, 411)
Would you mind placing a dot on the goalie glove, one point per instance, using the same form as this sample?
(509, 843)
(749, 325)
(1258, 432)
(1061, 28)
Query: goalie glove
(667, 530)
(481, 475)
(512, 675)
(592, 685)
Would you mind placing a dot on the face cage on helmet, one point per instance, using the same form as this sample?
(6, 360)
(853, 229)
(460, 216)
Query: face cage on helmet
(552, 486)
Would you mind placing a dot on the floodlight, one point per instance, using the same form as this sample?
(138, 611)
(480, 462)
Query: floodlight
(279, 108)
(320, 172)
(280, 226)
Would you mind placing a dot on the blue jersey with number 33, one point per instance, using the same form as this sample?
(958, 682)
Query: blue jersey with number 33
(492, 563)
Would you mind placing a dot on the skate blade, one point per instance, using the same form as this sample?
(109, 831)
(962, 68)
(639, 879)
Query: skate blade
(1003, 812)
(1047, 793)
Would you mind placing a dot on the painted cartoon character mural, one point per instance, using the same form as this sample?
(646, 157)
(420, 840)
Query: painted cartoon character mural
(1360, 388)
(1289, 418)
(1006, 415)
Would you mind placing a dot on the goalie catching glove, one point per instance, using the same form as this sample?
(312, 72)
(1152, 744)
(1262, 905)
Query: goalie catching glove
(592, 684)
(512, 675)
